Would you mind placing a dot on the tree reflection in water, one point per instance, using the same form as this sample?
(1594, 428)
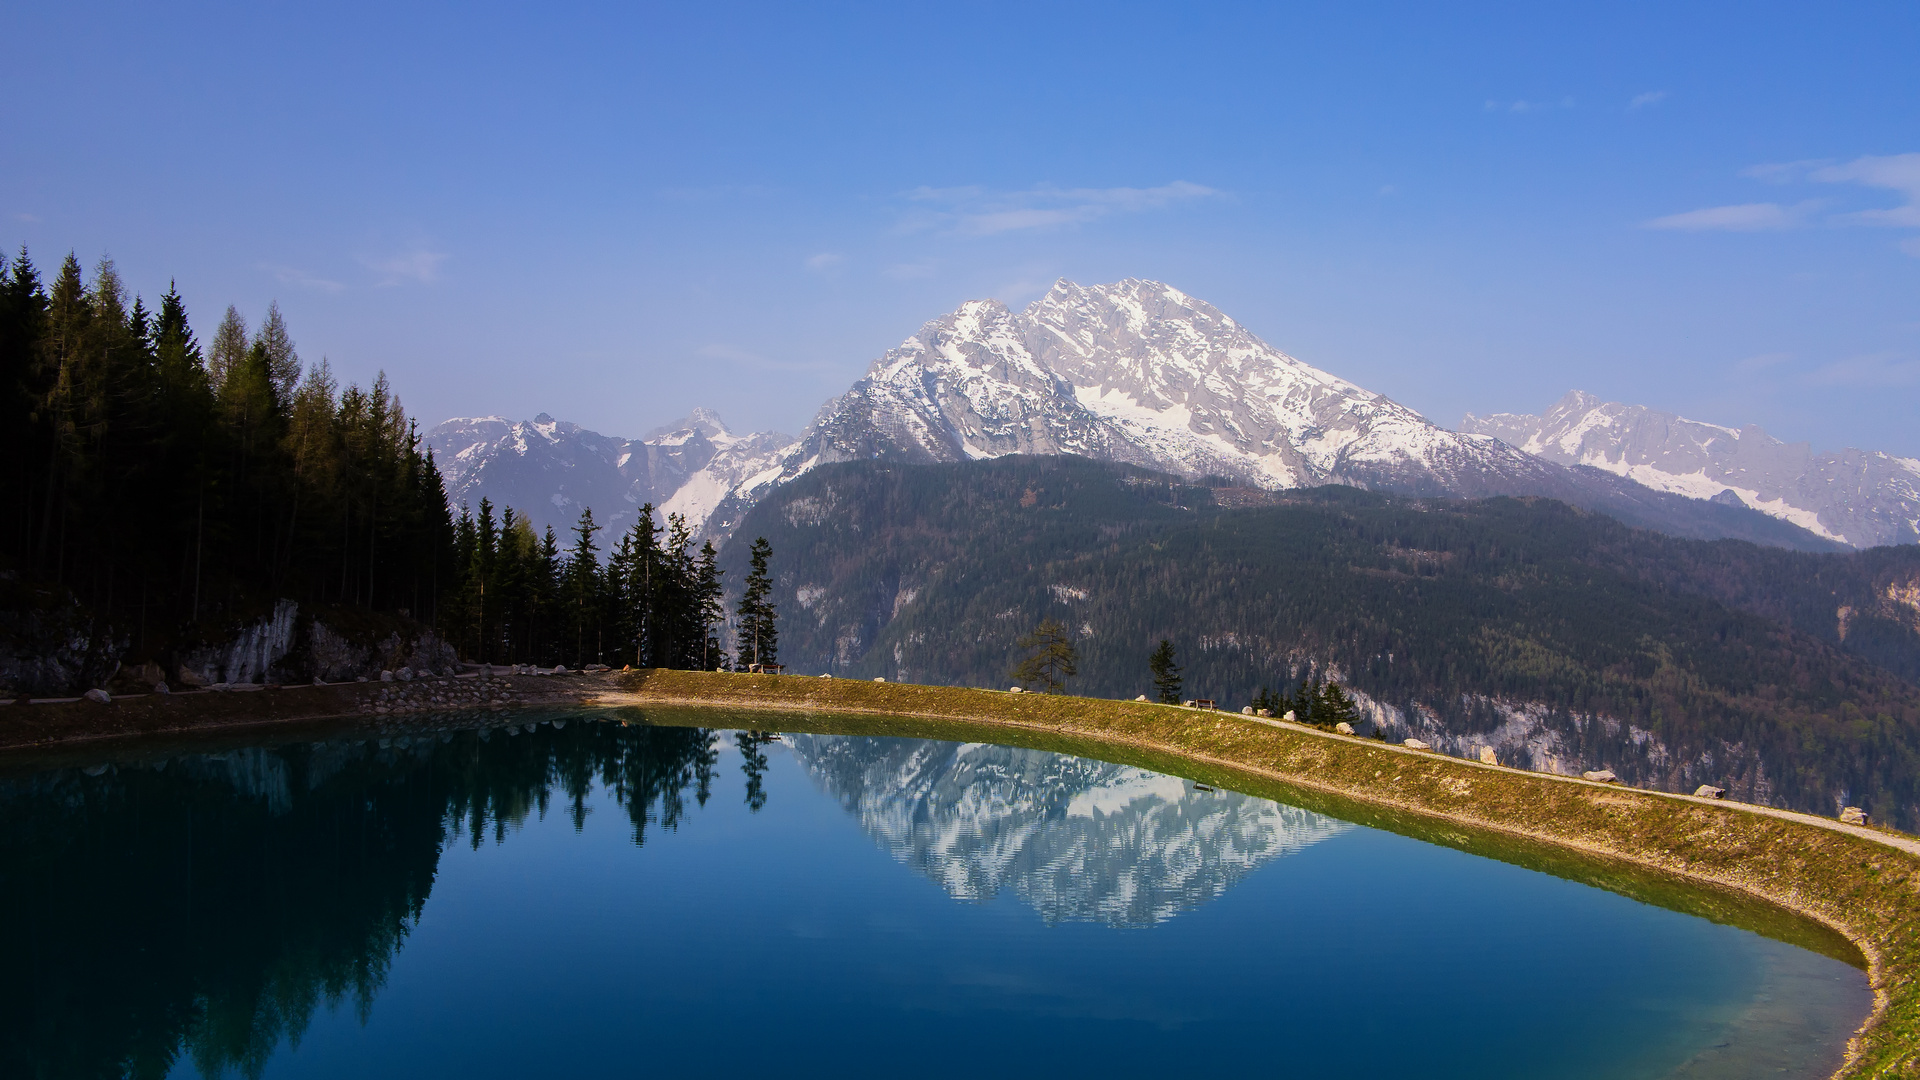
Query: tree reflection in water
(209, 904)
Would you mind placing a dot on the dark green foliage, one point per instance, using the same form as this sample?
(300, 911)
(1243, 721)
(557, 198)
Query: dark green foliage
(170, 498)
(1166, 674)
(1442, 607)
(1050, 657)
(759, 636)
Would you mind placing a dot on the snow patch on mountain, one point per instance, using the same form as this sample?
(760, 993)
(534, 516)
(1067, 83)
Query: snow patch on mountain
(1855, 497)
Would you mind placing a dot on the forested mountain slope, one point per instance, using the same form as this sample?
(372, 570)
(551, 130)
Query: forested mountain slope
(1563, 638)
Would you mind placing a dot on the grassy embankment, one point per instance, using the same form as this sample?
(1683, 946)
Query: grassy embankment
(1849, 892)
(1719, 860)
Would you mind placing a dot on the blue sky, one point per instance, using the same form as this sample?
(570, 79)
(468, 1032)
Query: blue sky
(614, 214)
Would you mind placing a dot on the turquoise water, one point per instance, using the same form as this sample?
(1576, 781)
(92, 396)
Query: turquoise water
(591, 898)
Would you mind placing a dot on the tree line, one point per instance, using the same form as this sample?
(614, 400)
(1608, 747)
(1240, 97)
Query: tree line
(162, 491)
(654, 601)
(169, 488)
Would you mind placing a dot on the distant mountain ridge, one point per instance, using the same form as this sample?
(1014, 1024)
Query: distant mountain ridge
(1132, 372)
(1856, 497)
(548, 469)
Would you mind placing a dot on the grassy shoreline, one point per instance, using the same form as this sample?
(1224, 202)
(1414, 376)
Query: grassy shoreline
(1781, 873)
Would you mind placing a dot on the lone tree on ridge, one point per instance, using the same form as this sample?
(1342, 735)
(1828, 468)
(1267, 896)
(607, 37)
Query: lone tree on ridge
(1166, 673)
(1051, 659)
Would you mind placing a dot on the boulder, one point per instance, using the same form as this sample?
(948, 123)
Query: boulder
(1246, 710)
(877, 678)
(1289, 715)
(1708, 791)
(1852, 815)
(1417, 744)
(98, 695)
(190, 677)
(405, 674)
(1600, 776)
(1488, 757)
(1343, 728)
(1015, 690)
(825, 675)
(386, 676)
(1142, 697)
(1264, 714)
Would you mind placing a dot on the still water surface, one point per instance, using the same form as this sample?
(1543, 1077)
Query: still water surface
(589, 898)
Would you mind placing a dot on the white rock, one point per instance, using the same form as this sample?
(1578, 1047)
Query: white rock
(826, 675)
(1289, 715)
(1853, 815)
(1600, 776)
(1246, 710)
(877, 678)
(1708, 791)
(1417, 744)
(1343, 728)
(1264, 714)
(1488, 757)
(100, 696)
(1015, 690)
(1142, 697)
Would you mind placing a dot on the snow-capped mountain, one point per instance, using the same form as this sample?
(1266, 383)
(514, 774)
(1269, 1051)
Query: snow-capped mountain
(1140, 372)
(1855, 497)
(548, 469)
(1075, 839)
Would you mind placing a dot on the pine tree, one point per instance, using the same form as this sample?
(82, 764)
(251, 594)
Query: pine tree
(228, 347)
(1051, 659)
(1166, 673)
(759, 637)
(283, 363)
(713, 612)
(583, 587)
(1334, 706)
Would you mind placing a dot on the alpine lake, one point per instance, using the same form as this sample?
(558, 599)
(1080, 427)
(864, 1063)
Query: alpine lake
(687, 893)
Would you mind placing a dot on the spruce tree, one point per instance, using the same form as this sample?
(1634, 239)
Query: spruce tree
(1166, 673)
(759, 638)
(583, 586)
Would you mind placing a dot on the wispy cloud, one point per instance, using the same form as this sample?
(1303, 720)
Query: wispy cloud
(974, 211)
(1897, 172)
(1526, 106)
(418, 265)
(825, 261)
(293, 275)
(1651, 97)
(1870, 370)
(1746, 217)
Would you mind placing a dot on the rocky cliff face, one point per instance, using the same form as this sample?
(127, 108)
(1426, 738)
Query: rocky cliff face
(1075, 839)
(1855, 497)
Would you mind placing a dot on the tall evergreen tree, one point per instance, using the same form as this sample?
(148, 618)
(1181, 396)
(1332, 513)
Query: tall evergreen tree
(1166, 673)
(759, 634)
(583, 589)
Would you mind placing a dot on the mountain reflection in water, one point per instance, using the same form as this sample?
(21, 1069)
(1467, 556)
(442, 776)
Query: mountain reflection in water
(1076, 839)
(213, 902)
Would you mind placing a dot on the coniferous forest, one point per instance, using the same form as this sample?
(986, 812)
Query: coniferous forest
(167, 486)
